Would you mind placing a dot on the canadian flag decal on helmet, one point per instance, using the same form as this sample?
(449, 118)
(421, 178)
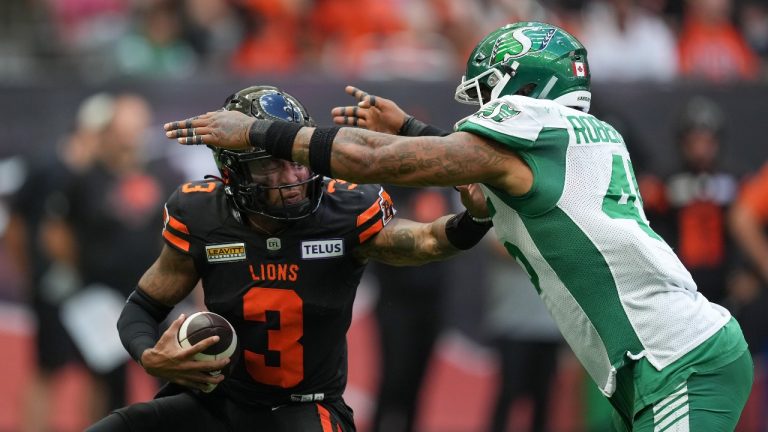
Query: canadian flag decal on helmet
(579, 69)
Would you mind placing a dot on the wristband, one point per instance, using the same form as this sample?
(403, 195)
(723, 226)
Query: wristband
(413, 127)
(320, 149)
(275, 137)
(464, 232)
(484, 220)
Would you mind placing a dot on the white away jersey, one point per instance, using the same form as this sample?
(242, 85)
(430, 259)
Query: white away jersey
(615, 288)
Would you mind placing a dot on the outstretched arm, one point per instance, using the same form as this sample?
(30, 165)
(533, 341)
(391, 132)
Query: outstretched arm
(363, 156)
(405, 242)
(379, 114)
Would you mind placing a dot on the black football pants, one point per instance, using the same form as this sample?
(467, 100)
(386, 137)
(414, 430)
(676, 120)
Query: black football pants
(187, 412)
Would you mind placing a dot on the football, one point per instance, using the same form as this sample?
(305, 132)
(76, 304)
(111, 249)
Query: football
(202, 325)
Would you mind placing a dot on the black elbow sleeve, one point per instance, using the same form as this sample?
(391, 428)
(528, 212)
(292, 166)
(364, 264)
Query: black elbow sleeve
(138, 322)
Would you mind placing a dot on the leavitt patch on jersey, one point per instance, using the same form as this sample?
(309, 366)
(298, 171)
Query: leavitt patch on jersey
(322, 248)
(225, 252)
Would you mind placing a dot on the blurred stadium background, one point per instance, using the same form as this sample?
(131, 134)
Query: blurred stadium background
(648, 58)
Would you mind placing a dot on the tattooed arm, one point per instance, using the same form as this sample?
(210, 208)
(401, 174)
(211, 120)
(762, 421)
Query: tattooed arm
(364, 156)
(404, 242)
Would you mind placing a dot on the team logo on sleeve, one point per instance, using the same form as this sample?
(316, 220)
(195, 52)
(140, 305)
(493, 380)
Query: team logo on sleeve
(227, 252)
(387, 206)
(497, 111)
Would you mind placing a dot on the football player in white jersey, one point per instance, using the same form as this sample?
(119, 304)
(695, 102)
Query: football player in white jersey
(564, 202)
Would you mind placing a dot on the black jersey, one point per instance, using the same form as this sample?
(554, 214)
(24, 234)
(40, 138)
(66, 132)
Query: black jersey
(289, 296)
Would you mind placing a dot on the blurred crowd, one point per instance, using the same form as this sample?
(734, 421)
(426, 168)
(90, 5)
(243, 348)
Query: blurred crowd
(658, 40)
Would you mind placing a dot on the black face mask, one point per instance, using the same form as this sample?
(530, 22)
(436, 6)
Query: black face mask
(252, 175)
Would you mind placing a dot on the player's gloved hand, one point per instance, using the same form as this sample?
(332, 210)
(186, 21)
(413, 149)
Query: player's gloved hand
(168, 360)
(225, 129)
(474, 200)
(371, 112)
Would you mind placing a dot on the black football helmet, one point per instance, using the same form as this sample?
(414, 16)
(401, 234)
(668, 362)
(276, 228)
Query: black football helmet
(244, 172)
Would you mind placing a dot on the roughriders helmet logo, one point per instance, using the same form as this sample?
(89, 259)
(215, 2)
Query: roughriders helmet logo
(522, 41)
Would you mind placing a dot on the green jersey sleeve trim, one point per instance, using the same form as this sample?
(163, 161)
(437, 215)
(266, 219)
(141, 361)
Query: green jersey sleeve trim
(511, 141)
(547, 162)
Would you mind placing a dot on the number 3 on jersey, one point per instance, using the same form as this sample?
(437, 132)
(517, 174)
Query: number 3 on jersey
(622, 197)
(284, 340)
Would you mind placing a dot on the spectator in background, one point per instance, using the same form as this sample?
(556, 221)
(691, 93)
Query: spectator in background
(690, 209)
(418, 51)
(214, 31)
(710, 47)
(155, 47)
(45, 252)
(410, 318)
(273, 39)
(748, 222)
(85, 28)
(525, 337)
(462, 22)
(116, 211)
(628, 43)
(343, 31)
(754, 25)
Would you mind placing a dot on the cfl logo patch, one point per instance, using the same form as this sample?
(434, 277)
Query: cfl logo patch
(274, 243)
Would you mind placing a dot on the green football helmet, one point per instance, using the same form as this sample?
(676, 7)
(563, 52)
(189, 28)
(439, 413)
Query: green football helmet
(533, 59)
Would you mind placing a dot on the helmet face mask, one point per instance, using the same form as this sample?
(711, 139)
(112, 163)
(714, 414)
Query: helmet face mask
(530, 58)
(474, 92)
(255, 182)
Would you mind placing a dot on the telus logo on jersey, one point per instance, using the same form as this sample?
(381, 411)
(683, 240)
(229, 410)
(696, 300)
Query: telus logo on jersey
(316, 249)
(227, 252)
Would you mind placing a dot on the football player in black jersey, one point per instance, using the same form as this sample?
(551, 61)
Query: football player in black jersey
(280, 252)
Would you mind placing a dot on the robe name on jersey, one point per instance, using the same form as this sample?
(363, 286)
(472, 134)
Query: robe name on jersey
(589, 130)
